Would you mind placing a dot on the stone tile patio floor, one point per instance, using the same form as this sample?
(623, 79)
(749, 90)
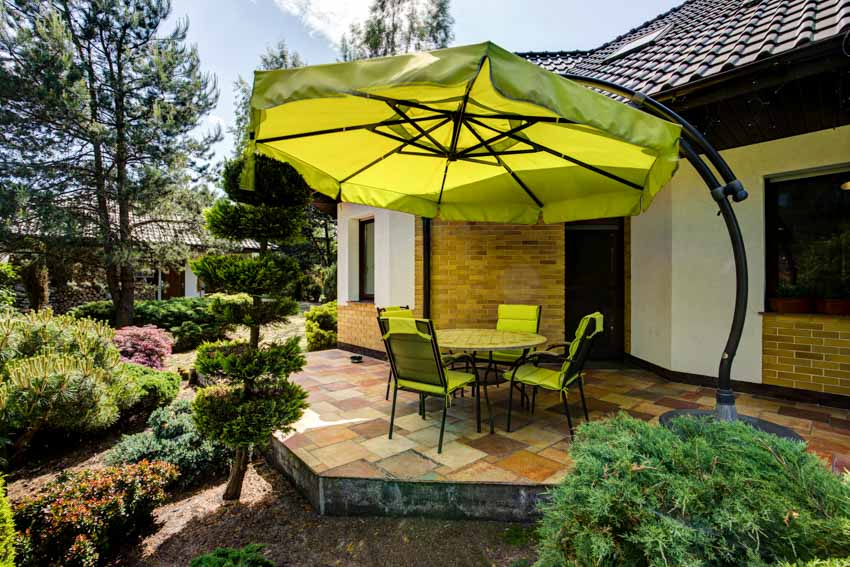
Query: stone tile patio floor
(344, 433)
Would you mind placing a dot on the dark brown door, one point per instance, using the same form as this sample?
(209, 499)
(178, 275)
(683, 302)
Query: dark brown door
(594, 281)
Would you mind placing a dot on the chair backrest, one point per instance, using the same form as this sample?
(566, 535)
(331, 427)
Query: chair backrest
(396, 311)
(520, 318)
(412, 350)
(589, 326)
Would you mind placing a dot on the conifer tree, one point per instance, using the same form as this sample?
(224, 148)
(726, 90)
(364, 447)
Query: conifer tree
(251, 395)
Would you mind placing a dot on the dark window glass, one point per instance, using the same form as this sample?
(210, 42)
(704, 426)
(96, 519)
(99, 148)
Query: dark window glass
(367, 259)
(808, 236)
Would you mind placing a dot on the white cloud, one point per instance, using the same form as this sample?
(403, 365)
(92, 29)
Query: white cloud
(330, 18)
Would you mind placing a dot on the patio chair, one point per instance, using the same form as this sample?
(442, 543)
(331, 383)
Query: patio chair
(513, 317)
(527, 370)
(418, 367)
(403, 311)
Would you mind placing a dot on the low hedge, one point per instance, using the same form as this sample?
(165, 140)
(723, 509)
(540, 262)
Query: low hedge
(701, 493)
(173, 438)
(82, 518)
(321, 326)
(189, 319)
(155, 388)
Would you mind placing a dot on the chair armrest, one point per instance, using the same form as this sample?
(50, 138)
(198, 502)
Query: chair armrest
(559, 345)
(543, 356)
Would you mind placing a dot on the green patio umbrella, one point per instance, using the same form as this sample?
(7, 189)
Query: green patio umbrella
(470, 133)
(477, 133)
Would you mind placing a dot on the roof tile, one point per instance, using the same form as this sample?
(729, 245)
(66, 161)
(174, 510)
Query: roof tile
(707, 37)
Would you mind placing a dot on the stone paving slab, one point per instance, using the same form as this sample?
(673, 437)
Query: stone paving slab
(341, 458)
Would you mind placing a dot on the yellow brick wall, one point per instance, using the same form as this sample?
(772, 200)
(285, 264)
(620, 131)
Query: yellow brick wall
(357, 324)
(477, 266)
(809, 352)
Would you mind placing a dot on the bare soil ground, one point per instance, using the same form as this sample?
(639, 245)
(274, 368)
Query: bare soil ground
(273, 513)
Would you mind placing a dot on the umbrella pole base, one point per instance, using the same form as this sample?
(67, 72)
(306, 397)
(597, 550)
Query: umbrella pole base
(760, 424)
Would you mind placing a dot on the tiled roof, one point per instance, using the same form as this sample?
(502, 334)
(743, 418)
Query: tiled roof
(704, 38)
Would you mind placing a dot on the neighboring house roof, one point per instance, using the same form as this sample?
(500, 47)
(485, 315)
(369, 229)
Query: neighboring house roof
(167, 229)
(702, 39)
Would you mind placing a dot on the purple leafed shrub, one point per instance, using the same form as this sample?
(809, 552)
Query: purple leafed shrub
(146, 345)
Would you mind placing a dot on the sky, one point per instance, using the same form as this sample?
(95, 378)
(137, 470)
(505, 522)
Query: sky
(231, 34)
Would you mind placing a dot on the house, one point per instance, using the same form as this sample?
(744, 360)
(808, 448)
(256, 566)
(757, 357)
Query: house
(82, 280)
(768, 83)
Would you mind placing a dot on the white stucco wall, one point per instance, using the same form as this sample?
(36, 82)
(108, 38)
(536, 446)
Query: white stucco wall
(394, 255)
(692, 255)
(190, 286)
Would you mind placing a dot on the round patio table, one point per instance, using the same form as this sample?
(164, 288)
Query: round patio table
(487, 340)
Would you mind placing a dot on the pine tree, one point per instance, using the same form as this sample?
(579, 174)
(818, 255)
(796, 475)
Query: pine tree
(399, 26)
(252, 396)
(98, 111)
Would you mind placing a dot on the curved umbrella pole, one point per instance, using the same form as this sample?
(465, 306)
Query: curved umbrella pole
(692, 144)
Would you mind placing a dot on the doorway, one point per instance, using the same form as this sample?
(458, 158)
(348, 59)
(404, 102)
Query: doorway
(594, 281)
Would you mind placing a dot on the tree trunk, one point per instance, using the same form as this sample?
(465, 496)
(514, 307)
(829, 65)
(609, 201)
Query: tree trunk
(237, 474)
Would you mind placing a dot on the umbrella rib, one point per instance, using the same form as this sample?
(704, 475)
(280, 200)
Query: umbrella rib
(571, 159)
(458, 115)
(505, 166)
(391, 152)
(496, 138)
(412, 141)
(345, 129)
(469, 159)
(409, 103)
(404, 115)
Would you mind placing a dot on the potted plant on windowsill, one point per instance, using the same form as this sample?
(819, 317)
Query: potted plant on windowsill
(826, 269)
(791, 298)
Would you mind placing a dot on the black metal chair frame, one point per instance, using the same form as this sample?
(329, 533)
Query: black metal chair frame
(575, 367)
(441, 362)
(381, 311)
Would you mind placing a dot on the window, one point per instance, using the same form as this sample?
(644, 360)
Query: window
(638, 43)
(367, 259)
(807, 223)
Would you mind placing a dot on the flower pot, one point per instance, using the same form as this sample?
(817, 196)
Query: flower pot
(833, 306)
(790, 304)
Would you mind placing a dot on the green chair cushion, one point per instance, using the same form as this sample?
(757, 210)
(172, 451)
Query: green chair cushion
(542, 377)
(520, 318)
(454, 378)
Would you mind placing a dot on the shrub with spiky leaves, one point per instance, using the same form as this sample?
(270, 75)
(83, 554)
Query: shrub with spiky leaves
(251, 395)
(249, 556)
(173, 438)
(701, 493)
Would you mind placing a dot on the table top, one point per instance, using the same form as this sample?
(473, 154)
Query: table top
(485, 340)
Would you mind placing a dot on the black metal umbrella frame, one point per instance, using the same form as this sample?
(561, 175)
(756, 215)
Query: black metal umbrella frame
(692, 144)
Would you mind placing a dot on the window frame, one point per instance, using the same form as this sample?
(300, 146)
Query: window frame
(771, 276)
(361, 258)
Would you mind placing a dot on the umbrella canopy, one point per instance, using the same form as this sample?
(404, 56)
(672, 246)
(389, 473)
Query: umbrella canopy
(470, 133)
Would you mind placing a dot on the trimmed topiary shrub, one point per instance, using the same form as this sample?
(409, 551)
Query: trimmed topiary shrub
(249, 556)
(703, 493)
(7, 529)
(148, 345)
(173, 438)
(154, 388)
(189, 320)
(82, 518)
(321, 326)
